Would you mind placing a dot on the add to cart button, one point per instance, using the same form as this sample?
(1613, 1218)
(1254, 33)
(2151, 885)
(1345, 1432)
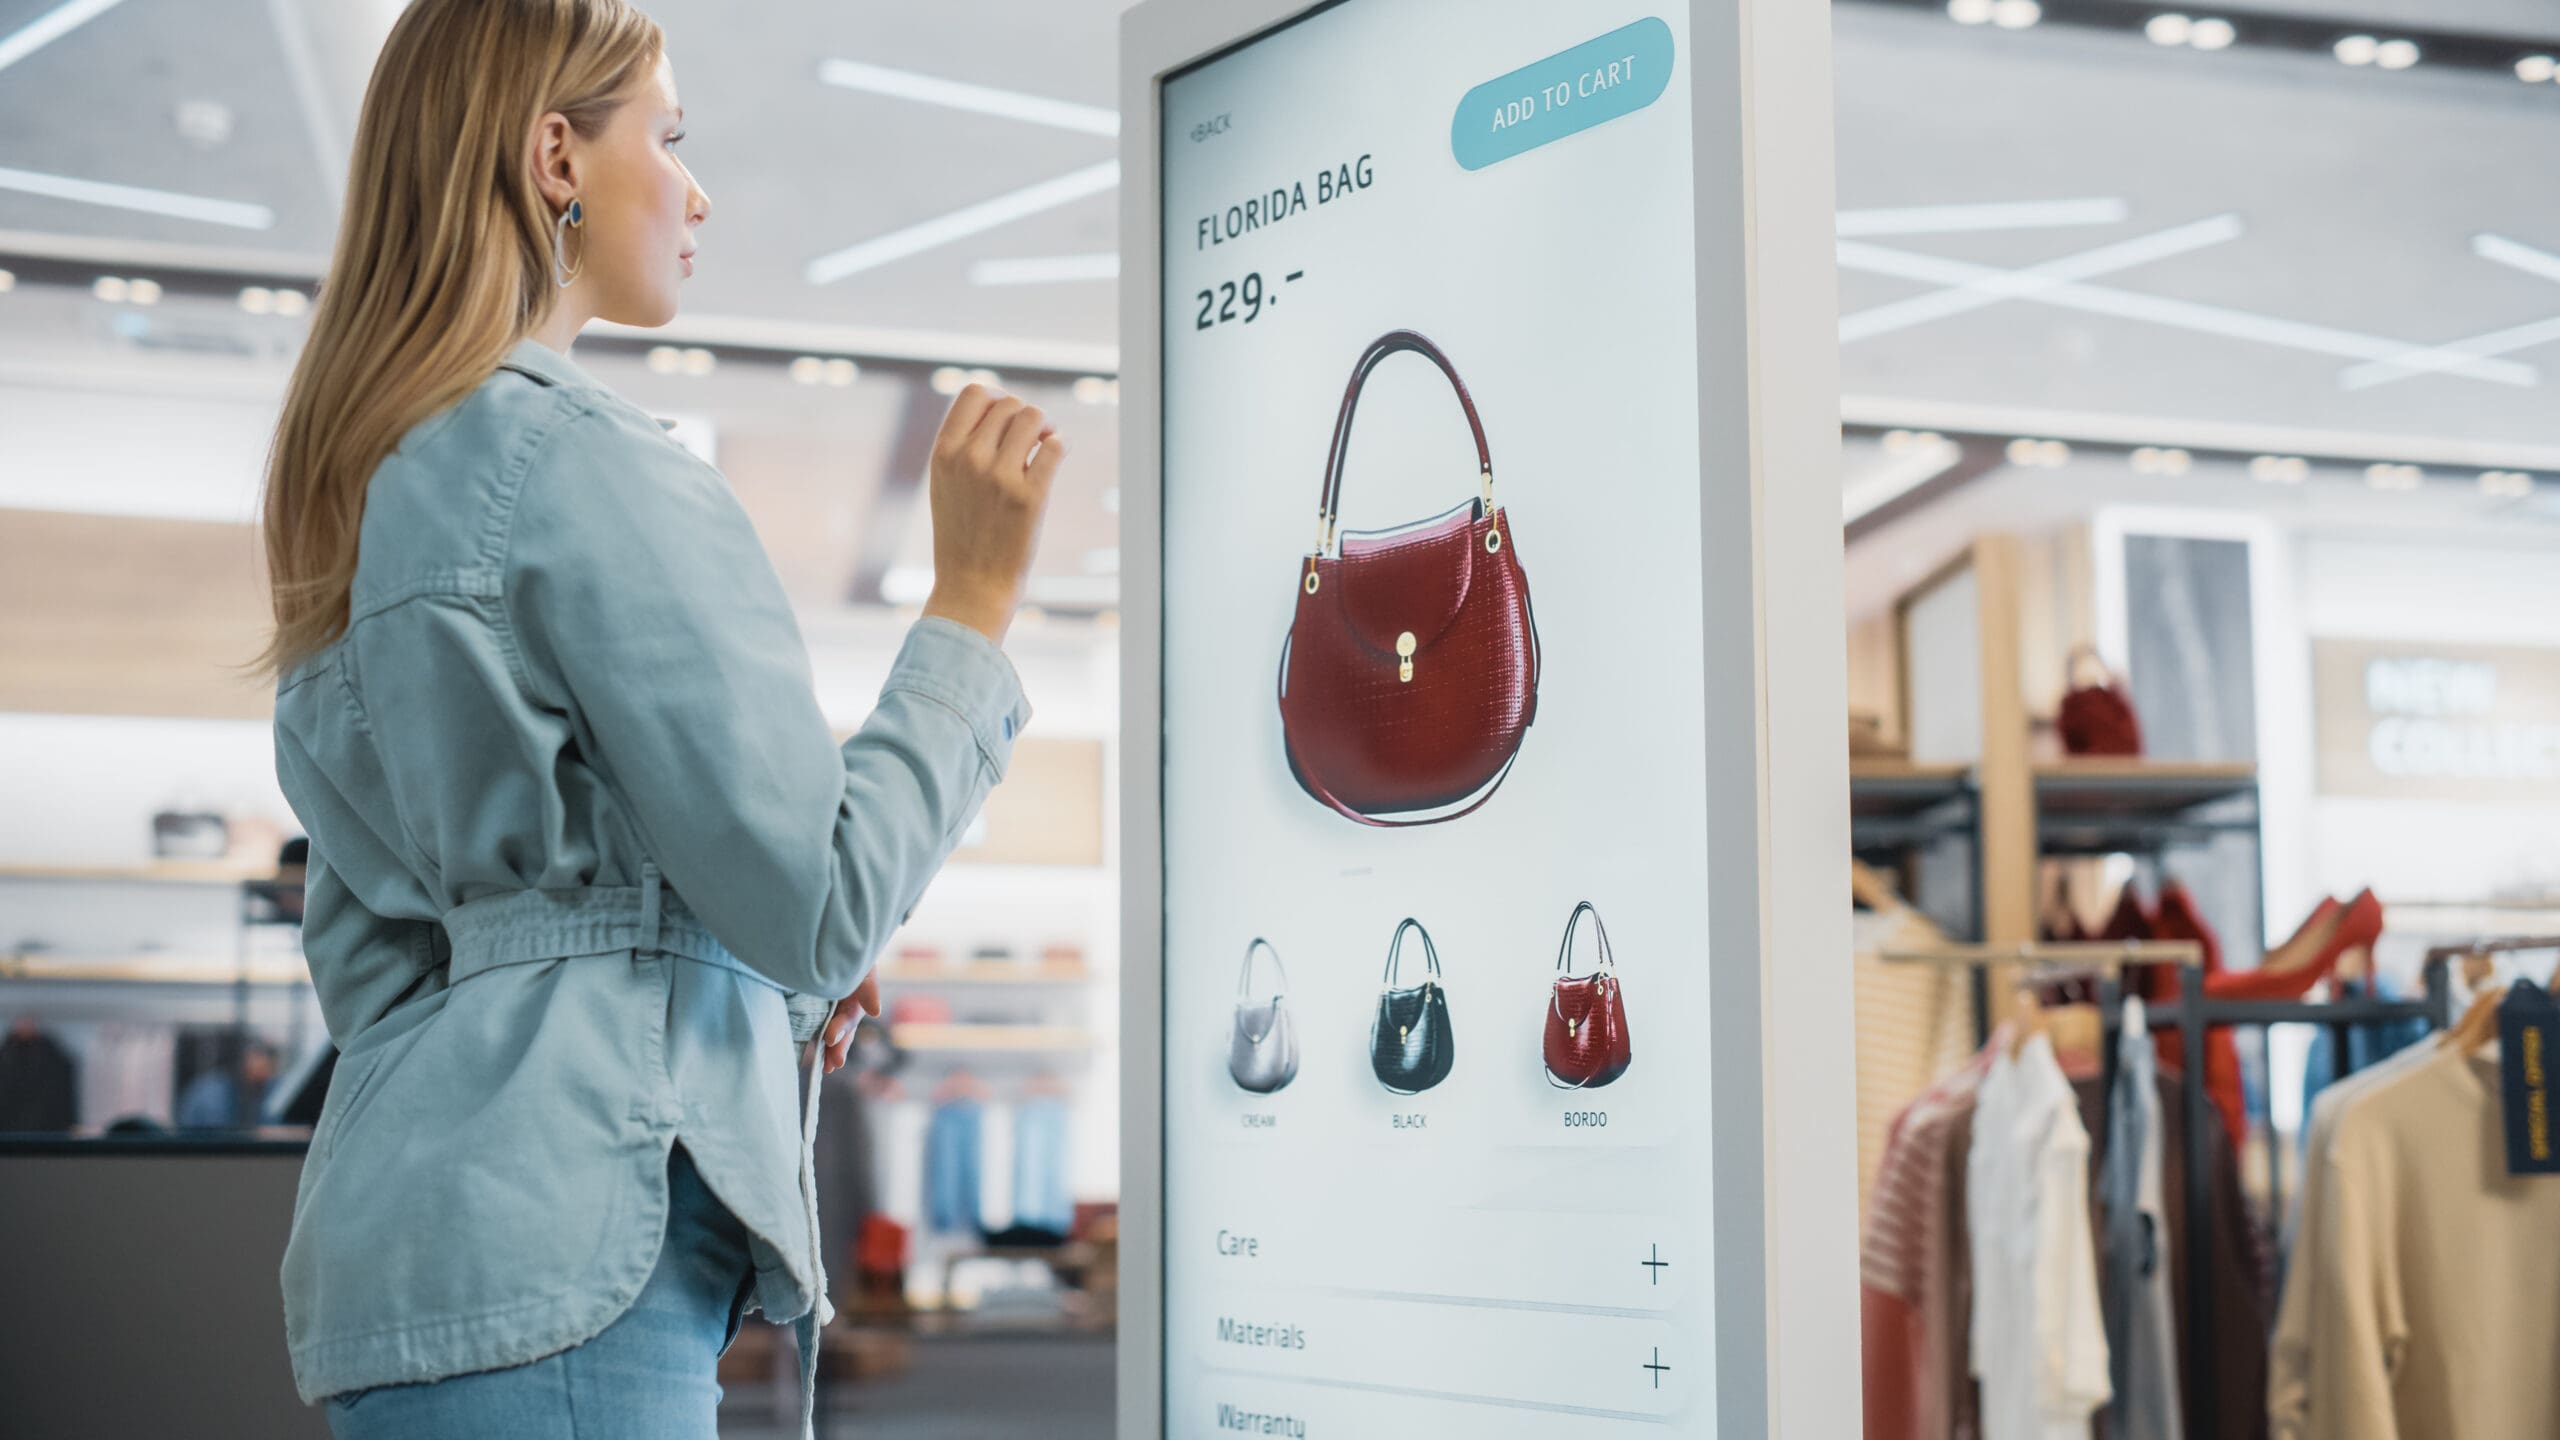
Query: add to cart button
(1568, 92)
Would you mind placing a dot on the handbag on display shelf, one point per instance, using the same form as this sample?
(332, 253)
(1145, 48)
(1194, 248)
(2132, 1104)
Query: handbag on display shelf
(1586, 1045)
(1411, 1046)
(1263, 1056)
(2097, 719)
(1410, 672)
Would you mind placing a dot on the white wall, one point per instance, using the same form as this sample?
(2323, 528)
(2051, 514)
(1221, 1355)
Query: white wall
(2478, 594)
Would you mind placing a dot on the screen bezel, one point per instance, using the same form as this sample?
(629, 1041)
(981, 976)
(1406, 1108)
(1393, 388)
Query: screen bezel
(1770, 555)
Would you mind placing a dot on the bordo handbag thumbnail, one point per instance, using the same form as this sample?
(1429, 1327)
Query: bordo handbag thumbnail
(1410, 672)
(1410, 1044)
(1586, 1043)
(1263, 1055)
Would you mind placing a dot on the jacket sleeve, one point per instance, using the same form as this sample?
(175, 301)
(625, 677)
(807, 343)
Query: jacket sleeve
(643, 606)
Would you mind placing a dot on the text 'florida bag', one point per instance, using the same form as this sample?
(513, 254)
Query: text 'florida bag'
(1411, 668)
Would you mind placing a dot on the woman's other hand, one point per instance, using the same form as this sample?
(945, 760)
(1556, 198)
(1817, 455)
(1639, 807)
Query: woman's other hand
(865, 1000)
(992, 466)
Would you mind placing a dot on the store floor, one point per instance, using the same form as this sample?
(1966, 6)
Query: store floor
(1059, 1389)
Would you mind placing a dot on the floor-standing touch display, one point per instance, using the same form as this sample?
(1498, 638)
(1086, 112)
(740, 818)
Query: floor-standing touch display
(1445, 669)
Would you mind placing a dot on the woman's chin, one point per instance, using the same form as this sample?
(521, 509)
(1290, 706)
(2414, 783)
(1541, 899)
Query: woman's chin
(646, 312)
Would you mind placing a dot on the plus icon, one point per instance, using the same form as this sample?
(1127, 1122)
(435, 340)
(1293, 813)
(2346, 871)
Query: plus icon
(1655, 1265)
(1657, 1367)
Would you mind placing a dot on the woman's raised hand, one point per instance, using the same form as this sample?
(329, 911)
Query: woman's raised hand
(993, 464)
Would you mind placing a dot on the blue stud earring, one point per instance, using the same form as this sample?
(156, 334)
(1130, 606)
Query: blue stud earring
(561, 272)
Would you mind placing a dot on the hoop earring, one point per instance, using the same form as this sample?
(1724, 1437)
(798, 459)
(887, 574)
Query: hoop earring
(575, 217)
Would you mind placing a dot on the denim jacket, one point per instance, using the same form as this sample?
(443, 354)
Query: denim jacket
(586, 863)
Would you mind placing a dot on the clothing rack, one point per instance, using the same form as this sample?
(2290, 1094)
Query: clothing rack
(2192, 1015)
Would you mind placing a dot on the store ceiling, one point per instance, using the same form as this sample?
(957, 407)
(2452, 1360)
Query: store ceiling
(2302, 217)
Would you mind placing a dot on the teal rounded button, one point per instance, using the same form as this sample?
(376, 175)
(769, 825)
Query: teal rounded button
(1568, 92)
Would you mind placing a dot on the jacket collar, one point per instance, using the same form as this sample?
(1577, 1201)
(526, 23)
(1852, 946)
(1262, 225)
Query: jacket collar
(532, 357)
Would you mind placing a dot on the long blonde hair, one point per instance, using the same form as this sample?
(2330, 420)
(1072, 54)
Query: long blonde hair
(443, 262)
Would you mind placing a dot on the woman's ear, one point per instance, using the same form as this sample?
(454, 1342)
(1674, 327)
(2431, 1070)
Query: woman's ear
(555, 159)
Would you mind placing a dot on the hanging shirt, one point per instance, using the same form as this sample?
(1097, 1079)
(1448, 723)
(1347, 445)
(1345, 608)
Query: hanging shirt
(2141, 1337)
(2434, 1275)
(2039, 1344)
(1040, 1195)
(2289, 1353)
(951, 1182)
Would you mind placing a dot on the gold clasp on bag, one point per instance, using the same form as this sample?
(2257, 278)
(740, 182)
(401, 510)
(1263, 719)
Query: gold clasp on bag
(1312, 581)
(1404, 651)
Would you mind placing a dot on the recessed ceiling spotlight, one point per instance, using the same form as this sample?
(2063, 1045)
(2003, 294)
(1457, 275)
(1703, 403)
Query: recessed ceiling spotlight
(2394, 477)
(665, 360)
(205, 124)
(2506, 484)
(2212, 34)
(2150, 460)
(2357, 50)
(809, 370)
(2280, 469)
(1970, 12)
(2534, 69)
(985, 377)
(290, 301)
(949, 379)
(257, 299)
(2170, 29)
(2016, 14)
(1090, 389)
(143, 292)
(842, 372)
(110, 288)
(2022, 452)
(8, 281)
(2396, 54)
(698, 361)
(2053, 454)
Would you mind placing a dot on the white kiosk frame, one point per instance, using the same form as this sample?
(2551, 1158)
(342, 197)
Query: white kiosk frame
(1783, 1102)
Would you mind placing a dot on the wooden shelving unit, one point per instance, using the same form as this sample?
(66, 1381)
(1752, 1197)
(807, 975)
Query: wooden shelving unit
(988, 972)
(991, 1038)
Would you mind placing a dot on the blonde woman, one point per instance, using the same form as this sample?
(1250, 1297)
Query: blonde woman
(588, 870)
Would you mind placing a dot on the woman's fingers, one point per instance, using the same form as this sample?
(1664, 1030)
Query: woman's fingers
(1021, 432)
(967, 409)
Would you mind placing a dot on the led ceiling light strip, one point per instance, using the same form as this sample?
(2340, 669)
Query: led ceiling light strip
(1955, 219)
(2176, 314)
(1045, 269)
(133, 197)
(2496, 249)
(959, 95)
(51, 26)
(959, 224)
(2025, 284)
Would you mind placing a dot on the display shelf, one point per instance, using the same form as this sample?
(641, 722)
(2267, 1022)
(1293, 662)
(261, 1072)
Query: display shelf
(989, 972)
(155, 969)
(157, 872)
(963, 1037)
(1901, 789)
(2145, 789)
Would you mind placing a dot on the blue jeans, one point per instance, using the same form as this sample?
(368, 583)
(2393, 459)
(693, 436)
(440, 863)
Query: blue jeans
(650, 1375)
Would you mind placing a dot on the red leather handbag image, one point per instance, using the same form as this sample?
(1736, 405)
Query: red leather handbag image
(1586, 1043)
(1411, 668)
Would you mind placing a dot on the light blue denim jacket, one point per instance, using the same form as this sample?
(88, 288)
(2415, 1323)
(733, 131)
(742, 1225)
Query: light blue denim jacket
(584, 857)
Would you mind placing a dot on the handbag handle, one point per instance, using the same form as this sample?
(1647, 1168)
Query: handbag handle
(1564, 952)
(1395, 951)
(1244, 982)
(1329, 505)
(2071, 668)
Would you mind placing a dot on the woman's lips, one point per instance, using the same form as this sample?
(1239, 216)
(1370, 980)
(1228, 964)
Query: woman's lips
(688, 263)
